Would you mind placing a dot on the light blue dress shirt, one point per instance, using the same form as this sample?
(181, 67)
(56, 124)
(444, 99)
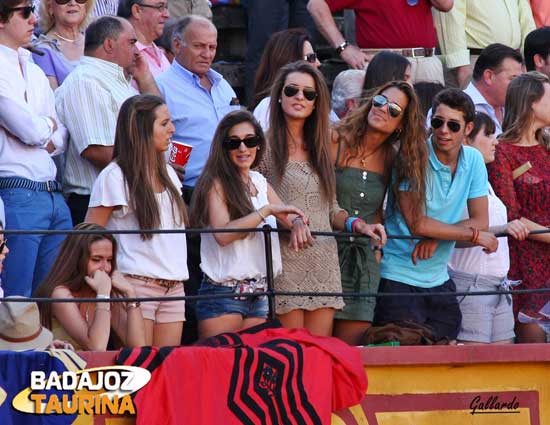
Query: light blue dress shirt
(446, 198)
(195, 111)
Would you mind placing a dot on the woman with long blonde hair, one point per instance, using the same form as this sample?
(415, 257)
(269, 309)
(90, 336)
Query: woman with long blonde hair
(520, 176)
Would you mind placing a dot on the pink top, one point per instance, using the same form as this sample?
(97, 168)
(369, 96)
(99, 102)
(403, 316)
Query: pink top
(155, 57)
(541, 12)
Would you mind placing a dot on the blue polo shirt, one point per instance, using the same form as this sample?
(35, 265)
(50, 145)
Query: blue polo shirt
(195, 111)
(446, 199)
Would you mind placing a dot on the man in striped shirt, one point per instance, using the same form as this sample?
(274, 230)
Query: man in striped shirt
(89, 99)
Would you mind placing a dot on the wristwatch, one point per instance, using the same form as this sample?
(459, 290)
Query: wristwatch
(341, 47)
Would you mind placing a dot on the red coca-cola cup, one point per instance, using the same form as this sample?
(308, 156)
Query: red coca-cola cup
(179, 153)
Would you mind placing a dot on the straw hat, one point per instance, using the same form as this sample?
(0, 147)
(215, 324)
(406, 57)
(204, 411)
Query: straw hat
(20, 327)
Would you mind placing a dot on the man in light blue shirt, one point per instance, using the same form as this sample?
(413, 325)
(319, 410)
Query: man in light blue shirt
(197, 96)
(456, 177)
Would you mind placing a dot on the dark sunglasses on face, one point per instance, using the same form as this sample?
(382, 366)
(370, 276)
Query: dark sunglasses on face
(451, 125)
(27, 10)
(291, 91)
(379, 101)
(68, 1)
(311, 57)
(235, 143)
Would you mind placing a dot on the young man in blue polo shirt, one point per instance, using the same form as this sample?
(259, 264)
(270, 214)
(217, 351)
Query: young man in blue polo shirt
(456, 177)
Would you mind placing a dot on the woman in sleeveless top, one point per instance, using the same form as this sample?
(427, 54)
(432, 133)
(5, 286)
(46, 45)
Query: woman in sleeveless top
(363, 147)
(229, 195)
(86, 268)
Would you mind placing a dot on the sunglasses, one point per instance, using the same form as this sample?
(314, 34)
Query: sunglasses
(235, 143)
(379, 101)
(61, 2)
(160, 7)
(27, 10)
(310, 57)
(3, 244)
(291, 91)
(451, 125)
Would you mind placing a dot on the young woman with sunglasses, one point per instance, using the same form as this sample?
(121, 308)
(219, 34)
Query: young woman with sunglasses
(138, 190)
(86, 267)
(363, 148)
(298, 165)
(62, 23)
(282, 48)
(520, 176)
(229, 195)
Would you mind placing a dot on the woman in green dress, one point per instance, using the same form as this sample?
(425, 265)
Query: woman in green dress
(364, 146)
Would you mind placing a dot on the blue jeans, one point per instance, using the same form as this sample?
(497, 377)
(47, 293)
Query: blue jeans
(215, 307)
(31, 256)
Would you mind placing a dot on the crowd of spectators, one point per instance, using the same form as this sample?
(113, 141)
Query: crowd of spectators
(439, 138)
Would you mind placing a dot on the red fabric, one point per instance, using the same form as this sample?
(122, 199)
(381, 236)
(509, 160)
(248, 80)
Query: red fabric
(269, 376)
(527, 196)
(390, 23)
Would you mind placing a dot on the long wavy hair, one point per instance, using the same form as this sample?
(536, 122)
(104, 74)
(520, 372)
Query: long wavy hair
(220, 169)
(71, 266)
(141, 164)
(406, 151)
(316, 129)
(282, 48)
(523, 91)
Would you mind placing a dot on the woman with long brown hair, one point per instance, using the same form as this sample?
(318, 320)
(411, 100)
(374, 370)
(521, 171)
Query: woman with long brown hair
(229, 195)
(139, 190)
(298, 165)
(86, 268)
(520, 176)
(364, 146)
(283, 47)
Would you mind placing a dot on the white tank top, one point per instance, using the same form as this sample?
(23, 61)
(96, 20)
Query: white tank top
(243, 258)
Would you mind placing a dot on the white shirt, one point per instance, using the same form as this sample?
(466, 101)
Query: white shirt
(162, 257)
(243, 258)
(482, 105)
(474, 260)
(27, 106)
(88, 102)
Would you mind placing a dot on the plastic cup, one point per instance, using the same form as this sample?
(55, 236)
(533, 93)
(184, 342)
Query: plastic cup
(179, 153)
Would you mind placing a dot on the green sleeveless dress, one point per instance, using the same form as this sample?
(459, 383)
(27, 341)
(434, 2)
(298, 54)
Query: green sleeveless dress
(361, 194)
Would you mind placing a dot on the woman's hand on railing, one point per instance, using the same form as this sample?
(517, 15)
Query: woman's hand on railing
(300, 235)
(517, 230)
(375, 231)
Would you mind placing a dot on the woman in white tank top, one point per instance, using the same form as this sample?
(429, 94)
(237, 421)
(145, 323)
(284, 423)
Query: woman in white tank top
(228, 195)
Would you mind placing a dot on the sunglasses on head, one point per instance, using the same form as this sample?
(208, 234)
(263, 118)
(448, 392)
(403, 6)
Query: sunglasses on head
(379, 101)
(235, 143)
(68, 1)
(310, 57)
(291, 91)
(3, 244)
(451, 125)
(27, 10)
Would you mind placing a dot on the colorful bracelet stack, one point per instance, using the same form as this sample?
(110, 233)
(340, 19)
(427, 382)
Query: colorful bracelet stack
(351, 223)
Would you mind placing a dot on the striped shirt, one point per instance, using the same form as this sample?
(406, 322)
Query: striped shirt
(88, 102)
(105, 7)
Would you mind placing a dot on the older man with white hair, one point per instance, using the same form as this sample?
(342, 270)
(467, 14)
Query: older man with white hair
(346, 91)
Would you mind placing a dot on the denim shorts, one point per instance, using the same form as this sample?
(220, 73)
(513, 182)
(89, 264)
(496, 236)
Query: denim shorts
(210, 308)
